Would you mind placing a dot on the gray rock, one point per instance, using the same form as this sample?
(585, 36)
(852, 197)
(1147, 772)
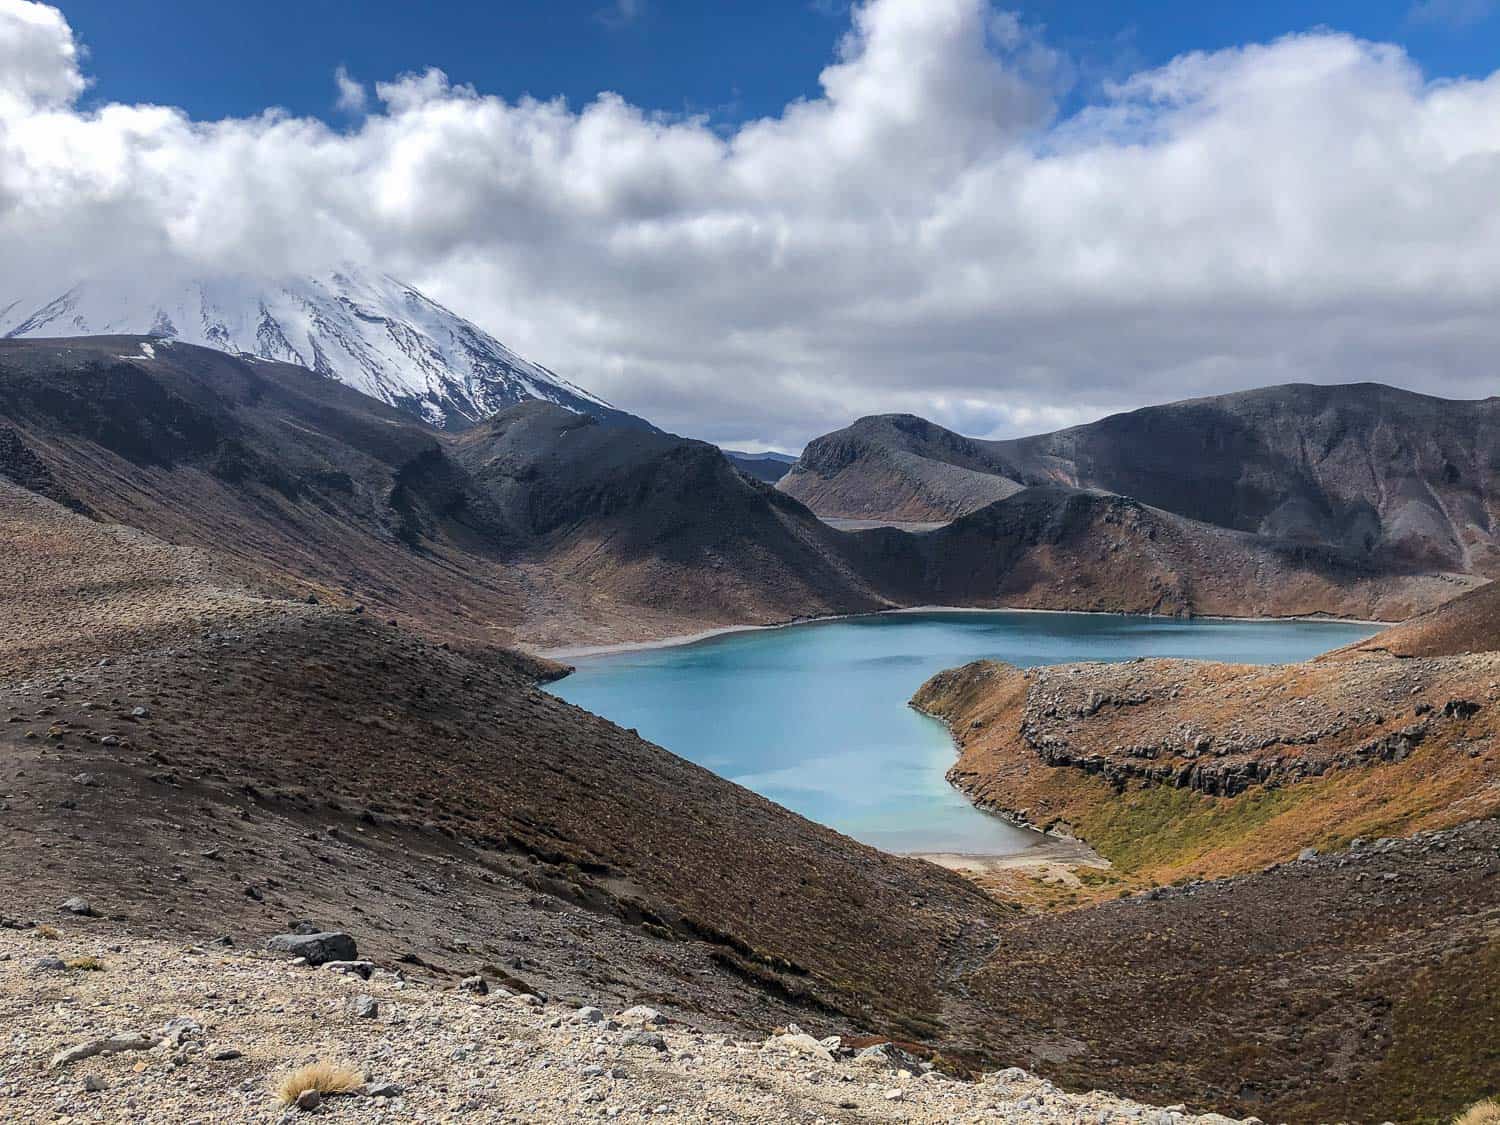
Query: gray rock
(1308, 853)
(317, 949)
(140, 713)
(475, 984)
(362, 1007)
(113, 1045)
(308, 1100)
(227, 1054)
(588, 1015)
(383, 1090)
(93, 1084)
(641, 1016)
(49, 964)
(80, 906)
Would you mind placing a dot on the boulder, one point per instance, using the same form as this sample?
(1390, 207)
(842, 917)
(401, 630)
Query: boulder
(316, 949)
(80, 906)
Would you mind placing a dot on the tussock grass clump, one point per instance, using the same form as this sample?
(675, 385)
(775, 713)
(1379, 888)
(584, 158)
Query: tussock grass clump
(1486, 1112)
(49, 933)
(325, 1076)
(87, 964)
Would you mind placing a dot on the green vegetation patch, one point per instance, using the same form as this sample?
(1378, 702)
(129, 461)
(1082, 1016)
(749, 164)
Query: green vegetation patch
(1159, 826)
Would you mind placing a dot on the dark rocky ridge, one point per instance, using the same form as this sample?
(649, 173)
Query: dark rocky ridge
(1405, 481)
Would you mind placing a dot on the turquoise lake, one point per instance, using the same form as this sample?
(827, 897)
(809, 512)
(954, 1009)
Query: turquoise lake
(815, 716)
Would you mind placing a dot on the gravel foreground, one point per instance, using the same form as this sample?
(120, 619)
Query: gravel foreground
(206, 1033)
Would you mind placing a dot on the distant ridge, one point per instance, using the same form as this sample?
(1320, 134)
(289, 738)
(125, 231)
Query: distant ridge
(768, 466)
(1405, 481)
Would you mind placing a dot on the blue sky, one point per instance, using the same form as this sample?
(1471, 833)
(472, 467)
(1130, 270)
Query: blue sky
(732, 59)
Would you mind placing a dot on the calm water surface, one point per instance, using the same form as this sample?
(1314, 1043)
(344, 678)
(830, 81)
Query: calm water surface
(815, 716)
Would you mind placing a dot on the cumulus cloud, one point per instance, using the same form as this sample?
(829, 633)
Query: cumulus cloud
(927, 235)
(353, 97)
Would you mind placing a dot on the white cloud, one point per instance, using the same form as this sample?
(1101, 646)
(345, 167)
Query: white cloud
(353, 97)
(927, 235)
(38, 58)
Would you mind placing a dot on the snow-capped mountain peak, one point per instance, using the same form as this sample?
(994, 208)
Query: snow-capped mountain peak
(371, 331)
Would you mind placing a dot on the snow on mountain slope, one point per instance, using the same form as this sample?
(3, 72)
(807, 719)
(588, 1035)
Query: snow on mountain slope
(370, 331)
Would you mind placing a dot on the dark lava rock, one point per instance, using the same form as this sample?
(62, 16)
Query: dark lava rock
(316, 948)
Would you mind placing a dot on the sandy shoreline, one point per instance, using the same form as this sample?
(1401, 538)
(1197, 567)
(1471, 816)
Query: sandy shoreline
(571, 652)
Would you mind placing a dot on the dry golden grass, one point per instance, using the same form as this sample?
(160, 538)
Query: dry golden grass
(1486, 1112)
(87, 964)
(324, 1076)
(50, 933)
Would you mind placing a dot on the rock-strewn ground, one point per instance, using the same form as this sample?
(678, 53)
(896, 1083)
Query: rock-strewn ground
(434, 1054)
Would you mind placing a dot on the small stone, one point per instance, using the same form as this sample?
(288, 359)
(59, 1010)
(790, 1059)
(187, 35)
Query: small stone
(85, 779)
(228, 1054)
(1308, 853)
(78, 905)
(140, 713)
(383, 1090)
(94, 1084)
(640, 1016)
(588, 1015)
(309, 1100)
(49, 964)
(362, 1007)
(475, 984)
